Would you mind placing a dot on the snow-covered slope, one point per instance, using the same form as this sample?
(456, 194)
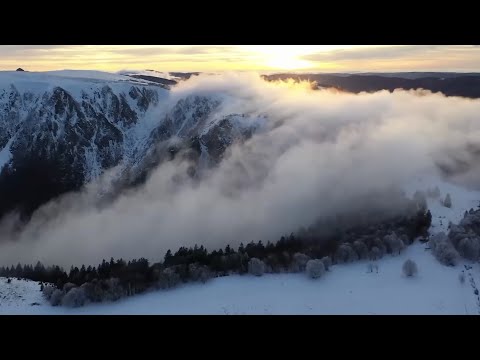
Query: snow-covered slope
(346, 289)
(462, 200)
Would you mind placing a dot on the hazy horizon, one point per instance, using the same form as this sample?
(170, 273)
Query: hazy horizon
(258, 58)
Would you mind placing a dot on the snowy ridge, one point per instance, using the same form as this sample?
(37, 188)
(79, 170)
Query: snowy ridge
(152, 73)
(93, 114)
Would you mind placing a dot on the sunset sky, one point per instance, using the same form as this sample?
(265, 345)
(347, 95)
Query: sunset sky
(327, 58)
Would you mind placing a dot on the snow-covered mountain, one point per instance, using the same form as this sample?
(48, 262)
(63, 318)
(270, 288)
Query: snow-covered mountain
(61, 129)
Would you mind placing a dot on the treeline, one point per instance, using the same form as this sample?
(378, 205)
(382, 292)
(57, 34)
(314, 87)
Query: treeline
(329, 241)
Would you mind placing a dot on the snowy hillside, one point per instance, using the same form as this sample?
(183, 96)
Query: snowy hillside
(346, 289)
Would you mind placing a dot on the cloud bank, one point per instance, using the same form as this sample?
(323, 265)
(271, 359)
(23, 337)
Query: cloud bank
(317, 153)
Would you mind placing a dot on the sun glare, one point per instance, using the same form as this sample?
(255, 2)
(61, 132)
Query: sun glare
(288, 63)
(288, 57)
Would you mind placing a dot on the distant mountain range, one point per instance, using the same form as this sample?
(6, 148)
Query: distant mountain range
(450, 84)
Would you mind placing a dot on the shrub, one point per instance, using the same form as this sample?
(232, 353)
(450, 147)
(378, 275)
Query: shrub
(315, 268)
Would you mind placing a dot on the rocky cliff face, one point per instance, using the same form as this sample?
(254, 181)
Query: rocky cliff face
(59, 132)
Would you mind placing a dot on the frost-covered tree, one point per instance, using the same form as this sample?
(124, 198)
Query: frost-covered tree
(199, 272)
(375, 253)
(68, 286)
(48, 291)
(457, 233)
(409, 268)
(469, 248)
(315, 268)
(114, 290)
(56, 297)
(380, 245)
(448, 201)
(256, 267)
(167, 278)
(345, 253)
(443, 249)
(327, 262)
(394, 243)
(75, 297)
(299, 262)
(361, 249)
